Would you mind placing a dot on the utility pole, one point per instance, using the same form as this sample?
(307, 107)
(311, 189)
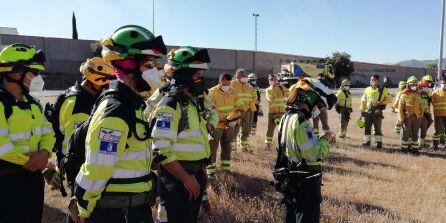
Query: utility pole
(153, 17)
(440, 60)
(255, 35)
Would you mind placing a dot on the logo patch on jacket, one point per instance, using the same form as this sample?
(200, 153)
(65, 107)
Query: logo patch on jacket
(109, 140)
(163, 121)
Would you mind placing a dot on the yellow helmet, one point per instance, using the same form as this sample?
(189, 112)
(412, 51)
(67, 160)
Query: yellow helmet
(97, 71)
(428, 78)
(345, 83)
(412, 80)
(323, 92)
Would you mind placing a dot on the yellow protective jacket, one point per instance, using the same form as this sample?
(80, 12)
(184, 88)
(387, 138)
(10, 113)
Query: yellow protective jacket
(276, 96)
(23, 128)
(254, 99)
(410, 103)
(243, 94)
(371, 95)
(225, 104)
(397, 99)
(179, 131)
(115, 159)
(439, 102)
(426, 97)
(344, 99)
(74, 110)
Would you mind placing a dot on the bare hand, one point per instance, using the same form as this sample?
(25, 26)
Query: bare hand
(192, 187)
(330, 136)
(37, 160)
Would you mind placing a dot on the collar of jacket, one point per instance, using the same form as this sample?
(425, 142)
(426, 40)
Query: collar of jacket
(125, 93)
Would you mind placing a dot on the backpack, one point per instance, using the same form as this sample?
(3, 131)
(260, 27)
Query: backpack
(75, 157)
(5, 99)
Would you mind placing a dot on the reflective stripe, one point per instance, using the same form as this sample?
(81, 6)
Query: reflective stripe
(189, 134)
(161, 133)
(61, 128)
(121, 173)
(46, 130)
(161, 144)
(6, 147)
(86, 184)
(226, 107)
(135, 155)
(367, 138)
(20, 136)
(378, 138)
(37, 131)
(193, 148)
(307, 145)
(100, 158)
(3, 132)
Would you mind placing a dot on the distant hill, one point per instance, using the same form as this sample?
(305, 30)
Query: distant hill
(418, 63)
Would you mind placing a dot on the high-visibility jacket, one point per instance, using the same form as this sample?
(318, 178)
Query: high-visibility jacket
(410, 103)
(344, 99)
(254, 99)
(179, 132)
(397, 99)
(426, 99)
(115, 159)
(300, 140)
(439, 102)
(225, 104)
(371, 95)
(75, 110)
(243, 94)
(23, 128)
(276, 96)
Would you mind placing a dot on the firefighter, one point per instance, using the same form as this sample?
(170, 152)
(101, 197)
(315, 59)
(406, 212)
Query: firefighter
(26, 137)
(180, 135)
(243, 93)
(74, 106)
(344, 107)
(426, 84)
(276, 96)
(224, 99)
(401, 86)
(258, 113)
(373, 103)
(114, 183)
(323, 117)
(410, 114)
(298, 171)
(439, 107)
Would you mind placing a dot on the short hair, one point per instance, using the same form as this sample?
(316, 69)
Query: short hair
(375, 76)
(225, 76)
(238, 71)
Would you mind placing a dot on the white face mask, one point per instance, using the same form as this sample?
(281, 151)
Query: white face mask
(244, 80)
(413, 88)
(152, 77)
(225, 88)
(316, 112)
(347, 88)
(372, 83)
(37, 83)
(253, 82)
(272, 83)
(443, 86)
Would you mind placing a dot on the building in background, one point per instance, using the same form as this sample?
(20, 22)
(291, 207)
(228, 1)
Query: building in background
(64, 57)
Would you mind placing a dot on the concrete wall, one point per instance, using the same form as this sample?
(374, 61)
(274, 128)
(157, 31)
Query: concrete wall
(64, 57)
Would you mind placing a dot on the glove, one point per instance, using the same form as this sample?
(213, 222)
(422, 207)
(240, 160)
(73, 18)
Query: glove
(72, 209)
(52, 178)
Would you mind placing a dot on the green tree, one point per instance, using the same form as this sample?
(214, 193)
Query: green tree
(341, 63)
(96, 49)
(432, 66)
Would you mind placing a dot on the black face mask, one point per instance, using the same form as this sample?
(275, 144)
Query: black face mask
(198, 86)
(141, 84)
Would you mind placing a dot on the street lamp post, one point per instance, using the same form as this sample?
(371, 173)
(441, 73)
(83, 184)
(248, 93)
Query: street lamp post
(153, 16)
(255, 35)
(440, 60)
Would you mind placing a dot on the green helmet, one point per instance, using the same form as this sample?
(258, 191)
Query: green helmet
(186, 57)
(428, 78)
(132, 40)
(402, 84)
(361, 122)
(412, 80)
(21, 57)
(345, 83)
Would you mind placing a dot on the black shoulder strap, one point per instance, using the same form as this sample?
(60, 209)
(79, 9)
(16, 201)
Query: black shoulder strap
(7, 103)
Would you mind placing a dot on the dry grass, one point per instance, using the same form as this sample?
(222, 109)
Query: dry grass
(360, 185)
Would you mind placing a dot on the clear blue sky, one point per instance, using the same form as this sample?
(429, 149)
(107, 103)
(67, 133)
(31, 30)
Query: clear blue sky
(381, 31)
